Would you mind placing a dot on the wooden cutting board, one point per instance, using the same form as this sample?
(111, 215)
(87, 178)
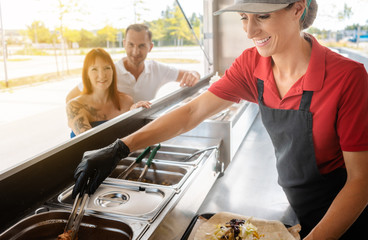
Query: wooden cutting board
(272, 230)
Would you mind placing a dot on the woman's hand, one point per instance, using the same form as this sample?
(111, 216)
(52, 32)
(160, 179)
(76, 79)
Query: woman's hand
(139, 104)
(96, 166)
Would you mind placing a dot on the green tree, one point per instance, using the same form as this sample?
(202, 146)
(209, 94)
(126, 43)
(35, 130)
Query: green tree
(65, 7)
(71, 36)
(196, 25)
(139, 10)
(86, 38)
(345, 14)
(320, 34)
(108, 33)
(178, 27)
(355, 27)
(158, 30)
(38, 33)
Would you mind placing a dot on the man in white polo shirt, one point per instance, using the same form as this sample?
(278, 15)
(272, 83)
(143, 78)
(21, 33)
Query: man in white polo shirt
(138, 77)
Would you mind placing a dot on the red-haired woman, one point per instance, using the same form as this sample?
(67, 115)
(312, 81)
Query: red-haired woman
(100, 100)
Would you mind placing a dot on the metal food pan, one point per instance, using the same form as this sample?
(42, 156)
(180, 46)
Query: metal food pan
(159, 173)
(128, 199)
(175, 154)
(48, 225)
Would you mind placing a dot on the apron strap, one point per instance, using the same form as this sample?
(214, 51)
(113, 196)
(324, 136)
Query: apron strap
(260, 90)
(306, 101)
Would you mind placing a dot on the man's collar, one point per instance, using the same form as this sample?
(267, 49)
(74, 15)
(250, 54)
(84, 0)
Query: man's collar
(146, 68)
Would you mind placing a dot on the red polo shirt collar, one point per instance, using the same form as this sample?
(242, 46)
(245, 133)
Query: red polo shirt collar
(313, 78)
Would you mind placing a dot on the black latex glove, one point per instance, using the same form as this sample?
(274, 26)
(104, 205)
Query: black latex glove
(97, 165)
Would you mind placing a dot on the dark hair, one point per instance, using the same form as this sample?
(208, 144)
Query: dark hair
(87, 86)
(138, 28)
(310, 15)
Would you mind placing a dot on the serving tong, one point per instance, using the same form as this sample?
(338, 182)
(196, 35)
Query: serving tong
(129, 169)
(76, 215)
(149, 161)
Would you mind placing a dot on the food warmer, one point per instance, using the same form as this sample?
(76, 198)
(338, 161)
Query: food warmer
(36, 195)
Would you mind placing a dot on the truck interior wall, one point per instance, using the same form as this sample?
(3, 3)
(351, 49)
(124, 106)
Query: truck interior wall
(230, 40)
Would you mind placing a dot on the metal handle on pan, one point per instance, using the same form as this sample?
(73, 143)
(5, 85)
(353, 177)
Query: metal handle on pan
(149, 161)
(128, 170)
(199, 152)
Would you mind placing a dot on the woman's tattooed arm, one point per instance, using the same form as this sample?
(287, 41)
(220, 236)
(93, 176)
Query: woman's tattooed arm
(77, 118)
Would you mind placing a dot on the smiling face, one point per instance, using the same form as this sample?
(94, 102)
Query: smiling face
(100, 74)
(137, 45)
(272, 33)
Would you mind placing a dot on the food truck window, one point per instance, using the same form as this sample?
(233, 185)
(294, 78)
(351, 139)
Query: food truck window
(42, 55)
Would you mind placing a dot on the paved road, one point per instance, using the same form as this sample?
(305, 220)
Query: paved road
(22, 66)
(30, 125)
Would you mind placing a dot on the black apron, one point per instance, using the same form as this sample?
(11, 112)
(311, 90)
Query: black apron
(309, 193)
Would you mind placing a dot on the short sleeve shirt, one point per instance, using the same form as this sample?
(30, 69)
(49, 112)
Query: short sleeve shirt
(339, 104)
(154, 76)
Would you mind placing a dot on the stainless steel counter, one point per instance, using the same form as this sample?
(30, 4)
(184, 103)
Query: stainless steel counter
(153, 209)
(231, 125)
(249, 186)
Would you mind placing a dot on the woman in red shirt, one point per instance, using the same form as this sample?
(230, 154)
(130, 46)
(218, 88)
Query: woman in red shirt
(313, 103)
